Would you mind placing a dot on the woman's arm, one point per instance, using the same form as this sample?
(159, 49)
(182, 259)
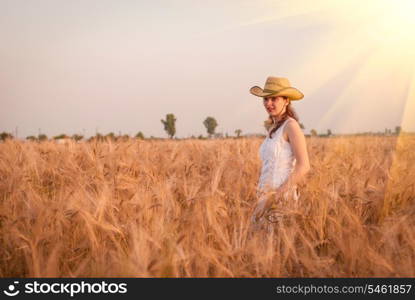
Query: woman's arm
(299, 148)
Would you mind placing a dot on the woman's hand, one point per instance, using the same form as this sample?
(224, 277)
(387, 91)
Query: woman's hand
(267, 201)
(281, 190)
(259, 210)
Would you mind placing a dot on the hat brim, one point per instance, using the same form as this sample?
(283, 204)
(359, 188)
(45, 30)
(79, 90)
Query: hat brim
(290, 92)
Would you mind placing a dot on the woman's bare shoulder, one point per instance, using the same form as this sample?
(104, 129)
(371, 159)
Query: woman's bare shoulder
(293, 127)
(292, 124)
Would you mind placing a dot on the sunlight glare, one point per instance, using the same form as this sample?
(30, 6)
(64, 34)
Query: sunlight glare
(395, 25)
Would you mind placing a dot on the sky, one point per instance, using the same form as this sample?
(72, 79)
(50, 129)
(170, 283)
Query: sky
(121, 66)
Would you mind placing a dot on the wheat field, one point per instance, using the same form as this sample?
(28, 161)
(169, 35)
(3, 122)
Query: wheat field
(181, 208)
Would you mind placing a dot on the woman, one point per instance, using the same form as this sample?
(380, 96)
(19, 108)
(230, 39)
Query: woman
(283, 152)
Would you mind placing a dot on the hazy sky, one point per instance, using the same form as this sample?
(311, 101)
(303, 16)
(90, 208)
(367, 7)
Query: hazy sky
(98, 65)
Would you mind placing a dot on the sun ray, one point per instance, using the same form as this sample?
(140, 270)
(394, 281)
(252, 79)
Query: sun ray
(408, 118)
(398, 165)
(348, 43)
(360, 99)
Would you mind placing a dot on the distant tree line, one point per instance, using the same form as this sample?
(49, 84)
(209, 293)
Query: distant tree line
(169, 125)
(388, 132)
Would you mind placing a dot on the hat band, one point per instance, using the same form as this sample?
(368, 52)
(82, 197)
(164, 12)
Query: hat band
(269, 91)
(274, 91)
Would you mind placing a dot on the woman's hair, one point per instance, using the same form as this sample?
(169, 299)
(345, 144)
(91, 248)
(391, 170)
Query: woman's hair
(289, 112)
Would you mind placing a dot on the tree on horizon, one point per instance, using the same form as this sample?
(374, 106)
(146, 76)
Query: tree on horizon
(5, 135)
(111, 136)
(140, 135)
(31, 138)
(398, 130)
(170, 125)
(60, 136)
(42, 137)
(210, 124)
(77, 137)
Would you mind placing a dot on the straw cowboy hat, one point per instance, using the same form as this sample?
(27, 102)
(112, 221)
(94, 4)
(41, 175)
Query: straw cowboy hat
(277, 86)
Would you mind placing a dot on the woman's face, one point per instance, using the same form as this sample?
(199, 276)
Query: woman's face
(275, 106)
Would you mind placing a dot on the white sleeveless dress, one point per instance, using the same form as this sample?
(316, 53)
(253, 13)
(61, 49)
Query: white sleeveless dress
(278, 162)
